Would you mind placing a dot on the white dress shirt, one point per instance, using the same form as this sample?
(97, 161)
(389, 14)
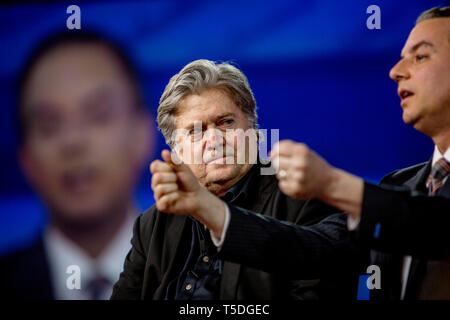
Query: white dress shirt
(62, 252)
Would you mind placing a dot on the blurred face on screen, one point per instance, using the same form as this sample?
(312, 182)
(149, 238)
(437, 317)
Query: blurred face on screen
(423, 76)
(85, 140)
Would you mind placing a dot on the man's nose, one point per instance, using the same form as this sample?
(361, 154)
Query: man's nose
(213, 138)
(73, 139)
(399, 71)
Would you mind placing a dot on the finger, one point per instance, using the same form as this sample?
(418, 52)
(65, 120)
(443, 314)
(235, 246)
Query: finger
(280, 161)
(166, 201)
(292, 189)
(160, 166)
(286, 187)
(283, 147)
(281, 174)
(163, 177)
(285, 163)
(301, 149)
(172, 159)
(163, 189)
(186, 178)
(297, 176)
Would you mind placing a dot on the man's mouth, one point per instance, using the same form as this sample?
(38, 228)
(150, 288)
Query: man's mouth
(79, 180)
(404, 94)
(217, 160)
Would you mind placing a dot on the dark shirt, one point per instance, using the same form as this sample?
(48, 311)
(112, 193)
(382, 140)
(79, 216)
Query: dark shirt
(200, 276)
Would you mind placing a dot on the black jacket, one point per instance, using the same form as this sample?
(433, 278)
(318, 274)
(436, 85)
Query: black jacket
(25, 274)
(405, 222)
(160, 246)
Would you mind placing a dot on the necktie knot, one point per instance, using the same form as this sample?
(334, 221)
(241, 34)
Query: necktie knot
(97, 286)
(439, 171)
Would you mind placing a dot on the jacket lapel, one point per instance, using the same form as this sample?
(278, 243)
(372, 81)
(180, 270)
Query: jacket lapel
(417, 182)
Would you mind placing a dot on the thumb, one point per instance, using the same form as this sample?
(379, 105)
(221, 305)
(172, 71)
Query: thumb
(172, 159)
(185, 176)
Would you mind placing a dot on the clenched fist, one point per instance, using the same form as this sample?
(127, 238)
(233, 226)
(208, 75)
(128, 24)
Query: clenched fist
(177, 191)
(175, 188)
(301, 172)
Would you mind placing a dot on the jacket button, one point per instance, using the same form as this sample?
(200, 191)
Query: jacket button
(205, 259)
(188, 286)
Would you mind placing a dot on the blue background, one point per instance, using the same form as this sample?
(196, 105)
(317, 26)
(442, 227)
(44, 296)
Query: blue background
(318, 74)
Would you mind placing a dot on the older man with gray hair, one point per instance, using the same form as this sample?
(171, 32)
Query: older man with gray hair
(207, 115)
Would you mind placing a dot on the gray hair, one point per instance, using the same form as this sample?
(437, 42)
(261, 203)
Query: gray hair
(435, 12)
(198, 76)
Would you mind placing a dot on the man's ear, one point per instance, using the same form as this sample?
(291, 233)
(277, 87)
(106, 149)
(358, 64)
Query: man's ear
(27, 164)
(144, 145)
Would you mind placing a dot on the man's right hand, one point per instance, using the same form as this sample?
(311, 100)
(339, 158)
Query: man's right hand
(175, 188)
(177, 191)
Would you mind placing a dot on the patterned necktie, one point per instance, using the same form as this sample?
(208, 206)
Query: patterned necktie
(438, 173)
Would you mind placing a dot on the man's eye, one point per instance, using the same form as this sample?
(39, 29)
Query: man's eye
(195, 134)
(420, 57)
(46, 129)
(227, 122)
(101, 116)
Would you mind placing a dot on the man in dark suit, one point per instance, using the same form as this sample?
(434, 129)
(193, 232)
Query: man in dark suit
(207, 114)
(84, 137)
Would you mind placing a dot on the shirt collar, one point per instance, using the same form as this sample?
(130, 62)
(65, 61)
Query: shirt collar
(62, 253)
(437, 155)
(241, 187)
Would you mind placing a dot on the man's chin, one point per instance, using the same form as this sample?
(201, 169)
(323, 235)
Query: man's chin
(79, 214)
(408, 118)
(218, 173)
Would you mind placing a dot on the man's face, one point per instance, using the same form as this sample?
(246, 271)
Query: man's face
(423, 76)
(206, 119)
(84, 144)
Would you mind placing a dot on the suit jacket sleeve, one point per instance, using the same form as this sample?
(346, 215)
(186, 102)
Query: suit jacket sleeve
(129, 285)
(398, 220)
(302, 252)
